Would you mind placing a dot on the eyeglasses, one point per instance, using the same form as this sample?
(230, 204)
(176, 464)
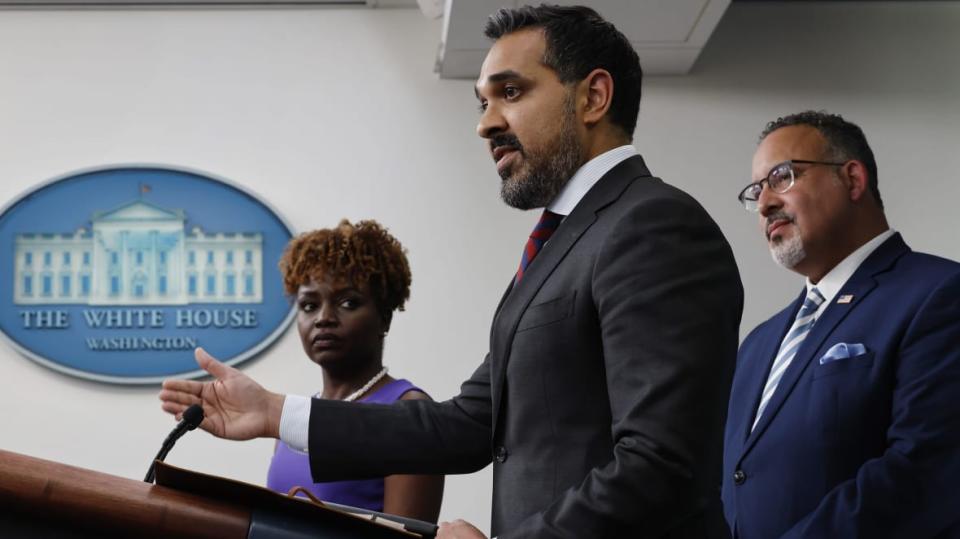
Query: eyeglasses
(780, 179)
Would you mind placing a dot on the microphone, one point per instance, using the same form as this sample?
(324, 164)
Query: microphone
(192, 417)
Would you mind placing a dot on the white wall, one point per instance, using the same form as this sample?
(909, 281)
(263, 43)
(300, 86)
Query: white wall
(890, 67)
(332, 113)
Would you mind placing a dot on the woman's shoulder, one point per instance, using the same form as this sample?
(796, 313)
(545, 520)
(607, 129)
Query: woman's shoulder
(410, 392)
(415, 394)
(399, 389)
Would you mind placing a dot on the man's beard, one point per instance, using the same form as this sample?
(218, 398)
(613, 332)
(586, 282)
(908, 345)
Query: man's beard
(542, 173)
(789, 252)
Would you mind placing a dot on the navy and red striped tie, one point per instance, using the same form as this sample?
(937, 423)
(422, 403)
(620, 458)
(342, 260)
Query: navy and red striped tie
(545, 228)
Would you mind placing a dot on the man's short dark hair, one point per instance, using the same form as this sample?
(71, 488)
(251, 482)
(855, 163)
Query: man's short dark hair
(845, 140)
(579, 40)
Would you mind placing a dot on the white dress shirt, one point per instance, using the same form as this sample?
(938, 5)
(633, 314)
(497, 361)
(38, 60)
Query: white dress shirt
(833, 281)
(586, 176)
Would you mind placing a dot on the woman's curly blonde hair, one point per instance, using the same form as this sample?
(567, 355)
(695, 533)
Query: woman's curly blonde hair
(361, 253)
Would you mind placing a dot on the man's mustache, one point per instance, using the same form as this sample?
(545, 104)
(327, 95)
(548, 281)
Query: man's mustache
(505, 139)
(779, 215)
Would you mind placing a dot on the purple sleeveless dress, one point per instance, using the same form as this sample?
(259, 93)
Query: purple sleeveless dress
(290, 468)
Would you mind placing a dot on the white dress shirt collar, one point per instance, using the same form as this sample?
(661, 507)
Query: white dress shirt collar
(834, 280)
(588, 175)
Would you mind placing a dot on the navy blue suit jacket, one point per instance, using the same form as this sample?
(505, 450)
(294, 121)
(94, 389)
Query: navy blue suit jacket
(867, 446)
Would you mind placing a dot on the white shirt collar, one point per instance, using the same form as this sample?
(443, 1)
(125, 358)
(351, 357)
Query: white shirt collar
(588, 175)
(834, 280)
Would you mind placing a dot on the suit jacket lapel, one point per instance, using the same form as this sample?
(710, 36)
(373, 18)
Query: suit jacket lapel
(860, 284)
(602, 194)
(768, 351)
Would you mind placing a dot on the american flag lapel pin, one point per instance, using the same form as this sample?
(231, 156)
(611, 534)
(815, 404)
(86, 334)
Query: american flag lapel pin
(846, 298)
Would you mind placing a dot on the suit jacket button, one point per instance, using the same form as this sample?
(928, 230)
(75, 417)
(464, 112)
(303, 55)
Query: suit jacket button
(739, 477)
(500, 454)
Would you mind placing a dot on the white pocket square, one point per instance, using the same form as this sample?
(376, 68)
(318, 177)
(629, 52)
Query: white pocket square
(843, 350)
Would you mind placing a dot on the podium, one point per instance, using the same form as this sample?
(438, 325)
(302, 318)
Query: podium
(41, 498)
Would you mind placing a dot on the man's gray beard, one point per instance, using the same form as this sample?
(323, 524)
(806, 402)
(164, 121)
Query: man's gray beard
(549, 170)
(789, 252)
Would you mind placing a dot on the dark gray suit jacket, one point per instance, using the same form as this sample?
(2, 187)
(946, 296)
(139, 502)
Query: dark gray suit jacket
(601, 402)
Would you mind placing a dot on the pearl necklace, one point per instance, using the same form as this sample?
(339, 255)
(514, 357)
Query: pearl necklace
(366, 387)
(351, 397)
(359, 393)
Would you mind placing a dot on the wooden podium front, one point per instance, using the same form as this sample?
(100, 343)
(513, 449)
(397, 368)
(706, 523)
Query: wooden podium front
(41, 498)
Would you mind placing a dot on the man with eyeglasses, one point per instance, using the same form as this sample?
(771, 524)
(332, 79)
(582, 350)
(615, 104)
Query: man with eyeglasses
(844, 418)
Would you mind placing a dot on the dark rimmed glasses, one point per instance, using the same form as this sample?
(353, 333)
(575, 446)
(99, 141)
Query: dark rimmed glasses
(780, 179)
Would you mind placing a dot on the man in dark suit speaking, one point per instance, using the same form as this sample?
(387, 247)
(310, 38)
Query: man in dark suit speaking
(844, 419)
(602, 398)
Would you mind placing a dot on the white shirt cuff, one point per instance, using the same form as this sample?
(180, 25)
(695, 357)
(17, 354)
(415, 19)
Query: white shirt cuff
(295, 422)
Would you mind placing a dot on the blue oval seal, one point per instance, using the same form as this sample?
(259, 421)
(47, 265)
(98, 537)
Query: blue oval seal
(116, 274)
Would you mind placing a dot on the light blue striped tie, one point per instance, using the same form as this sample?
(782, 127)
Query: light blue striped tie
(788, 348)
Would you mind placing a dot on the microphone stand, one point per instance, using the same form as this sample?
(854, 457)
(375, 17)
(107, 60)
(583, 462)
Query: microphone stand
(192, 418)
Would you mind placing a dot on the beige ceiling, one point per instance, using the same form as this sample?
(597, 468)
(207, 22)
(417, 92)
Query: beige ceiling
(668, 34)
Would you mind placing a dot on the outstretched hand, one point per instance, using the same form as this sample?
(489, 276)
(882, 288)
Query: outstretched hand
(234, 405)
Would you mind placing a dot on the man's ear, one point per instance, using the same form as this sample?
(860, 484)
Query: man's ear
(596, 96)
(857, 179)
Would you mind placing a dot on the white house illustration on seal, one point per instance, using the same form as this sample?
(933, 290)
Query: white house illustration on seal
(138, 254)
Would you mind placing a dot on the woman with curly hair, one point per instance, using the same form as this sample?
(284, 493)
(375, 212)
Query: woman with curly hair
(347, 282)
